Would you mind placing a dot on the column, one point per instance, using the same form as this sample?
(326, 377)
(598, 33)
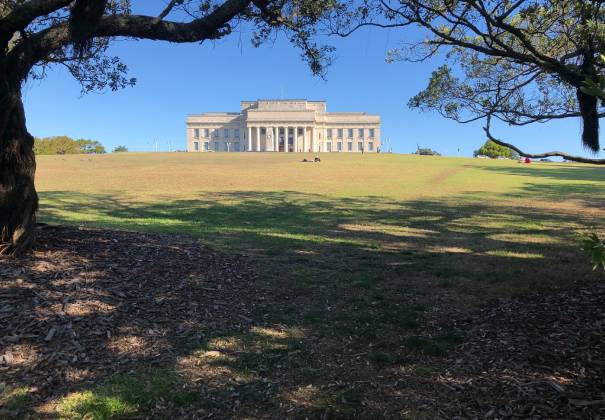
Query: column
(268, 147)
(257, 138)
(249, 139)
(295, 139)
(313, 139)
(305, 147)
(286, 139)
(276, 139)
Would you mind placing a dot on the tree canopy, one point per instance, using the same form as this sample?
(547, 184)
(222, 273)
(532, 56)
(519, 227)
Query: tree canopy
(119, 149)
(495, 150)
(76, 34)
(520, 62)
(64, 145)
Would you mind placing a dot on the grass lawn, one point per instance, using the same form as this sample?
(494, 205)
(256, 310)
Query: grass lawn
(371, 255)
(351, 220)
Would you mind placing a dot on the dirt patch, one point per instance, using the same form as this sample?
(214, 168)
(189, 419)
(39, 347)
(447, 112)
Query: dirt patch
(442, 176)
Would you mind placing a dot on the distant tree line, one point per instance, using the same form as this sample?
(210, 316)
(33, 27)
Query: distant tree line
(426, 152)
(120, 149)
(493, 150)
(64, 145)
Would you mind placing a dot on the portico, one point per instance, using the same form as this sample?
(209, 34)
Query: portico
(285, 126)
(280, 138)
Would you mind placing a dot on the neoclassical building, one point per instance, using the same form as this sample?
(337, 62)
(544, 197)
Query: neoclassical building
(283, 125)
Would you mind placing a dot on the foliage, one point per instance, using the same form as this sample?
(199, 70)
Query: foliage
(595, 86)
(426, 152)
(595, 246)
(520, 62)
(77, 34)
(120, 149)
(63, 145)
(494, 150)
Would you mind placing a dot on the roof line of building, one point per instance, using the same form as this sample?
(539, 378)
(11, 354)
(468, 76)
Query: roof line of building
(284, 100)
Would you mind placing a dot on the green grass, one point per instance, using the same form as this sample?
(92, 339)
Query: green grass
(366, 248)
(14, 400)
(124, 395)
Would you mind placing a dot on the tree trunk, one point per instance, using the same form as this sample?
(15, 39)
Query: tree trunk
(18, 197)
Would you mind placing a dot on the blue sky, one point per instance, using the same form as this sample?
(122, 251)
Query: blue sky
(176, 80)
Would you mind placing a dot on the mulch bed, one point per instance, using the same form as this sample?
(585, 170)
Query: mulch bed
(88, 303)
(533, 357)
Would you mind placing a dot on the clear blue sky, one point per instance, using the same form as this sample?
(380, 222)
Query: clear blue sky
(176, 80)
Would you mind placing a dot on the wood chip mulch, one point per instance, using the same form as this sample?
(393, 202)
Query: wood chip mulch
(532, 357)
(92, 302)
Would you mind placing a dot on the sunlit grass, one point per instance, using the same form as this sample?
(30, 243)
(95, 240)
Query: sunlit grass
(125, 396)
(512, 254)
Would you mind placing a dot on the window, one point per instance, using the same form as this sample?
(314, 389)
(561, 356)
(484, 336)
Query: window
(215, 132)
(206, 146)
(360, 133)
(236, 133)
(226, 133)
(236, 146)
(329, 133)
(340, 133)
(196, 133)
(206, 133)
(196, 146)
(339, 146)
(370, 146)
(300, 130)
(350, 133)
(360, 146)
(263, 130)
(329, 146)
(216, 146)
(371, 133)
(350, 146)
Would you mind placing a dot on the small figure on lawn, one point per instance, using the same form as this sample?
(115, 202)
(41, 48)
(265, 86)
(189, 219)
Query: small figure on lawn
(316, 159)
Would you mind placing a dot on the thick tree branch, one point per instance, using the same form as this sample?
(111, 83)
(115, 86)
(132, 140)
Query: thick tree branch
(539, 155)
(147, 27)
(24, 14)
(39, 46)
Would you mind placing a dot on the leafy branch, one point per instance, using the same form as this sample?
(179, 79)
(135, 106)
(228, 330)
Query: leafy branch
(595, 246)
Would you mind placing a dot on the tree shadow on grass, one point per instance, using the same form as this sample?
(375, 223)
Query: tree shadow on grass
(584, 183)
(581, 173)
(332, 295)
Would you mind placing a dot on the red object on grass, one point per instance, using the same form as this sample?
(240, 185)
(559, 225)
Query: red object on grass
(527, 160)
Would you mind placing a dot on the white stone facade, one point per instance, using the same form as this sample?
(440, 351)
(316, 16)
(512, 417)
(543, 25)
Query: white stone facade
(283, 125)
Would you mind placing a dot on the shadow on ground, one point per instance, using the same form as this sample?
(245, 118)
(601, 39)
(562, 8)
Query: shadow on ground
(315, 306)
